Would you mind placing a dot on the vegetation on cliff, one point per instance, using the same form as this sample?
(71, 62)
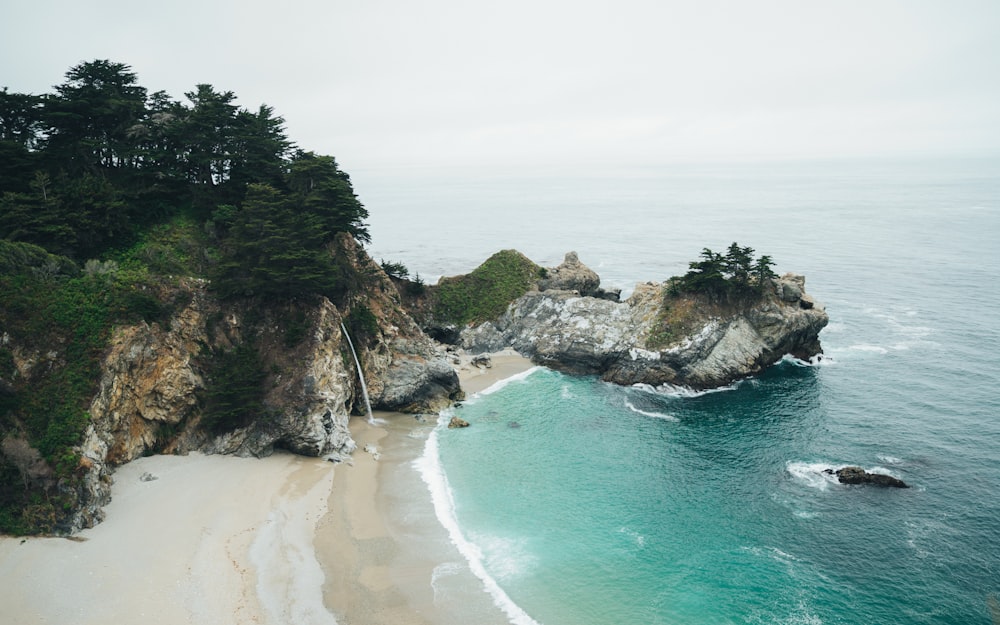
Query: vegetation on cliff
(735, 274)
(715, 285)
(63, 316)
(108, 194)
(485, 293)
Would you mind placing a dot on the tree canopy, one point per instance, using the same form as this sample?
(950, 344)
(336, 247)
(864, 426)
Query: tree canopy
(87, 169)
(107, 191)
(735, 273)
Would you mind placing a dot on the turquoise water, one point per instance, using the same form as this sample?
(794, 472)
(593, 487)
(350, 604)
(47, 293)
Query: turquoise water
(579, 502)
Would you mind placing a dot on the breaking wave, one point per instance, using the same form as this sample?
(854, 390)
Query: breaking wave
(432, 473)
(646, 413)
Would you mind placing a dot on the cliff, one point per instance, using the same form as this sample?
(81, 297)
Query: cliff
(248, 376)
(656, 336)
(157, 379)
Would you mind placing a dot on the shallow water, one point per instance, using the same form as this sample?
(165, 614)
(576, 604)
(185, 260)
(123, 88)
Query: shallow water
(622, 505)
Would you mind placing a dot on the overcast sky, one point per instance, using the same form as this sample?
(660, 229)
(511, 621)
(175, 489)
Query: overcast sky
(380, 84)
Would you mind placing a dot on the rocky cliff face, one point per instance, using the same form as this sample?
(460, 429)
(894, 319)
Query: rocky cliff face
(646, 340)
(153, 377)
(406, 371)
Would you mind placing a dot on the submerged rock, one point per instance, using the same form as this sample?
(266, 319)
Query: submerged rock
(857, 475)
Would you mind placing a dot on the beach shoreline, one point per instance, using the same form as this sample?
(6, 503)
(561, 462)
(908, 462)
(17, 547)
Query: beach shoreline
(222, 539)
(386, 557)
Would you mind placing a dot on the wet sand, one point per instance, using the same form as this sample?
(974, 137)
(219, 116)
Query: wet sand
(386, 556)
(284, 539)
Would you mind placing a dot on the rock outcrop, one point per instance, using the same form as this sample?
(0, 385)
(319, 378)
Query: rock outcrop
(857, 475)
(153, 379)
(405, 369)
(654, 338)
(573, 275)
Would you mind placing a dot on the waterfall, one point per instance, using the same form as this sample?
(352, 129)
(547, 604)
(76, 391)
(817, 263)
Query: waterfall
(361, 374)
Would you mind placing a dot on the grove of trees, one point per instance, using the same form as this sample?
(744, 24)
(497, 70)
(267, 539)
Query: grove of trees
(86, 169)
(733, 274)
(107, 191)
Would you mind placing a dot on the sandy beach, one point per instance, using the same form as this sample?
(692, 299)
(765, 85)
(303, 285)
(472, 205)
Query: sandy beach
(284, 539)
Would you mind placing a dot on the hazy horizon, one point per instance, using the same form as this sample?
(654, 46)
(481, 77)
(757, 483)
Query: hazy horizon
(383, 86)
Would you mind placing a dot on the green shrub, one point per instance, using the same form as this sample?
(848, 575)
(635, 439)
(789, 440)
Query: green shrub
(296, 327)
(362, 324)
(235, 392)
(394, 269)
(485, 293)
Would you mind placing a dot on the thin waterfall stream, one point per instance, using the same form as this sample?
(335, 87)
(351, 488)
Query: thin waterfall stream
(361, 374)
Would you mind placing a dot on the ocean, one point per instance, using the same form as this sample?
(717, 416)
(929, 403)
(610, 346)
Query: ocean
(577, 502)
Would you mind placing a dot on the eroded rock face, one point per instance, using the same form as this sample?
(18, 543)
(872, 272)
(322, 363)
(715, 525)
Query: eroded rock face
(578, 334)
(148, 397)
(149, 382)
(571, 275)
(152, 377)
(406, 371)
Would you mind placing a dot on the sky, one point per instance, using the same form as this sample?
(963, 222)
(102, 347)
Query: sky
(446, 83)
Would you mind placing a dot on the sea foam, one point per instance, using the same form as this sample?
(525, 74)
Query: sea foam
(813, 474)
(496, 386)
(655, 415)
(816, 475)
(673, 390)
(431, 471)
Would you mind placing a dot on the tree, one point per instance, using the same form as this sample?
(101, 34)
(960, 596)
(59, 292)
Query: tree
(37, 217)
(260, 148)
(734, 274)
(20, 127)
(210, 134)
(20, 118)
(235, 392)
(89, 117)
(321, 188)
(706, 274)
(738, 262)
(274, 250)
(762, 271)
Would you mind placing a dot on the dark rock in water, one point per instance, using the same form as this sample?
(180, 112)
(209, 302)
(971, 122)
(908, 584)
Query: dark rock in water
(458, 423)
(857, 475)
(514, 424)
(147, 477)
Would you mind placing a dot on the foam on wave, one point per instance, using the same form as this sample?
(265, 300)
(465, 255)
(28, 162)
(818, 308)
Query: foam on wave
(518, 377)
(431, 471)
(655, 415)
(673, 390)
(814, 474)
